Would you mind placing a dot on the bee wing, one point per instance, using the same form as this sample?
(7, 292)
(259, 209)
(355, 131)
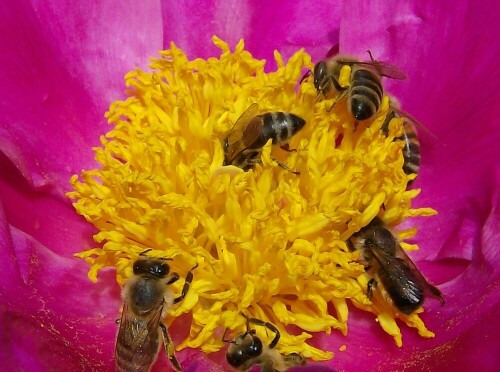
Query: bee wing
(384, 69)
(245, 131)
(293, 360)
(415, 121)
(138, 338)
(404, 288)
(429, 288)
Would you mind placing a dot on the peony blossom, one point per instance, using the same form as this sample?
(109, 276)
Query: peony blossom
(62, 66)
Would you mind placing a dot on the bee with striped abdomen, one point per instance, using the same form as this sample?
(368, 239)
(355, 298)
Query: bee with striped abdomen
(365, 91)
(383, 256)
(146, 301)
(247, 350)
(244, 142)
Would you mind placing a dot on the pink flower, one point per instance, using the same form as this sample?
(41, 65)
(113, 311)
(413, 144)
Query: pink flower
(62, 65)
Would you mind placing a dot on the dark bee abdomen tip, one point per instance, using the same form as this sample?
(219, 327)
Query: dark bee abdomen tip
(408, 306)
(298, 121)
(361, 110)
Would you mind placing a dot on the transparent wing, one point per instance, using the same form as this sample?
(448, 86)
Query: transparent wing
(241, 134)
(384, 69)
(414, 120)
(138, 337)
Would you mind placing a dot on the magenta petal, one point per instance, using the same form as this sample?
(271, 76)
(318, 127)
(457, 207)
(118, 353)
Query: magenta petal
(46, 321)
(61, 66)
(49, 220)
(263, 25)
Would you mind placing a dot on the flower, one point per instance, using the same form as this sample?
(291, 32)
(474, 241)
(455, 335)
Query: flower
(64, 65)
(271, 244)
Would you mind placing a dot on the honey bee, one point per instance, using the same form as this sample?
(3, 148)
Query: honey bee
(411, 149)
(382, 254)
(247, 350)
(365, 92)
(147, 299)
(250, 133)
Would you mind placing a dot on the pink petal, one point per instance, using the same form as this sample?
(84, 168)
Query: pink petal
(61, 66)
(46, 320)
(263, 25)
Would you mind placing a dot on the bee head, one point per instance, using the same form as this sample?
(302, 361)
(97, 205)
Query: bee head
(245, 347)
(151, 266)
(319, 74)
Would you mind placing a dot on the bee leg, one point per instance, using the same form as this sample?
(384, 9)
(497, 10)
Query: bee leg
(269, 326)
(339, 97)
(369, 287)
(169, 348)
(280, 164)
(284, 166)
(173, 278)
(286, 147)
(187, 284)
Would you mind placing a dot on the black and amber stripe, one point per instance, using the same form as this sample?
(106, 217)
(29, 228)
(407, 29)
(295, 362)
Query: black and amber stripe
(411, 149)
(365, 94)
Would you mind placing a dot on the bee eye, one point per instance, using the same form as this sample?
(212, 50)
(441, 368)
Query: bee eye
(369, 242)
(159, 270)
(235, 358)
(255, 349)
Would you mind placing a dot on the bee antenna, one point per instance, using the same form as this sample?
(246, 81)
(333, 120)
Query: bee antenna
(306, 75)
(143, 253)
(370, 54)
(226, 340)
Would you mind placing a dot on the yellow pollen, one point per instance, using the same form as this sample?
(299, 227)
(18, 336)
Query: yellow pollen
(269, 243)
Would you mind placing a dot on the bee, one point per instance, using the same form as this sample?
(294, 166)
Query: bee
(382, 254)
(365, 92)
(147, 299)
(411, 149)
(247, 350)
(250, 133)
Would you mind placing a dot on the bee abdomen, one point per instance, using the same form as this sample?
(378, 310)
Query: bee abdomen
(365, 94)
(128, 359)
(411, 150)
(280, 126)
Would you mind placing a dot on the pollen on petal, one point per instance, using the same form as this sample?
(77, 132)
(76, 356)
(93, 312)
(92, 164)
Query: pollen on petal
(269, 243)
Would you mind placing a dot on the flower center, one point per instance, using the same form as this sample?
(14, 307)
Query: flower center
(269, 243)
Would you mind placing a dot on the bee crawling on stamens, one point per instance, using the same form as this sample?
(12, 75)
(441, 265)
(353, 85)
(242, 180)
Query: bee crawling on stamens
(146, 301)
(383, 256)
(247, 350)
(411, 149)
(364, 93)
(244, 142)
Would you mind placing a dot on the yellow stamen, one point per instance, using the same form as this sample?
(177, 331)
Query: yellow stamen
(269, 243)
